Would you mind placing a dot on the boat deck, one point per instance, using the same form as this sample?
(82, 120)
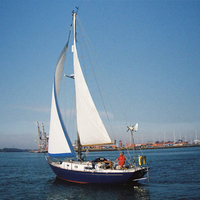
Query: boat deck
(105, 166)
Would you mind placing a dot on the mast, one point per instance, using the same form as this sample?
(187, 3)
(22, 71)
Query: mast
(133, 146)
(78, 137)
(133, 128)
(79, 147)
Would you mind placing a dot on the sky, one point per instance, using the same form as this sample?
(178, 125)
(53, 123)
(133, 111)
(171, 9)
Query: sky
(149, 49)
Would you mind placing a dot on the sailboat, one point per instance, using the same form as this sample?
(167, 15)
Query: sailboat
(62, 158)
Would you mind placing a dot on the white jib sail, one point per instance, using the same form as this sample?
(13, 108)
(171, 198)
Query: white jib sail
(90, 127)
(59, 142)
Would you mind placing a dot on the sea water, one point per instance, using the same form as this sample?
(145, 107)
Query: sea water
(174, 174)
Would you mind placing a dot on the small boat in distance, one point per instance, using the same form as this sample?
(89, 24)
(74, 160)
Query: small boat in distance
(62, 158)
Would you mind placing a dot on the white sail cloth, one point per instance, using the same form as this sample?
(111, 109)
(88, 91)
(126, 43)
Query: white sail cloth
(90, 127)
(59, 142)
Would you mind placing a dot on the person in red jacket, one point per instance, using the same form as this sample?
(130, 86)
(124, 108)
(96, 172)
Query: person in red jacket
(121, 159)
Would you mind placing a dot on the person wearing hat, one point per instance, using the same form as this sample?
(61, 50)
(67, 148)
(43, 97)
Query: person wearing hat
(121, 159)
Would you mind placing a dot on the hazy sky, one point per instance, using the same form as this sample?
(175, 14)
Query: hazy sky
(150, 50)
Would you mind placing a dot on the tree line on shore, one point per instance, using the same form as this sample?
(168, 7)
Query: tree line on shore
(13, 150)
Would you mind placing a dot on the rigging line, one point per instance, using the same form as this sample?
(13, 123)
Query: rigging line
(106, 78)
(101, 82)
(83, 63)
(135, 152)
(136, 142)
(103, 85)
(90, 55)
(110, 104)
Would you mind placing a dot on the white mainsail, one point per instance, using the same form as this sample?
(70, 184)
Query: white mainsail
(90, 127)
(59, 142)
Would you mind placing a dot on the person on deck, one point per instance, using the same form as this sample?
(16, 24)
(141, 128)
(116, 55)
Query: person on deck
(121, 159)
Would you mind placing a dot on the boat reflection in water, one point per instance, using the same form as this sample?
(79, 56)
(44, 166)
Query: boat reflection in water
(65, 190)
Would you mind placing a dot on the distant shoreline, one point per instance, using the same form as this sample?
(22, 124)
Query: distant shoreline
(7, 150)
(124, 149)
(142, 148)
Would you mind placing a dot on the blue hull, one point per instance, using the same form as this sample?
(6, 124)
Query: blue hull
(97, 177)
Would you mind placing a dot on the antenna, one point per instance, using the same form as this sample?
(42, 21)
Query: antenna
(77, 8)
